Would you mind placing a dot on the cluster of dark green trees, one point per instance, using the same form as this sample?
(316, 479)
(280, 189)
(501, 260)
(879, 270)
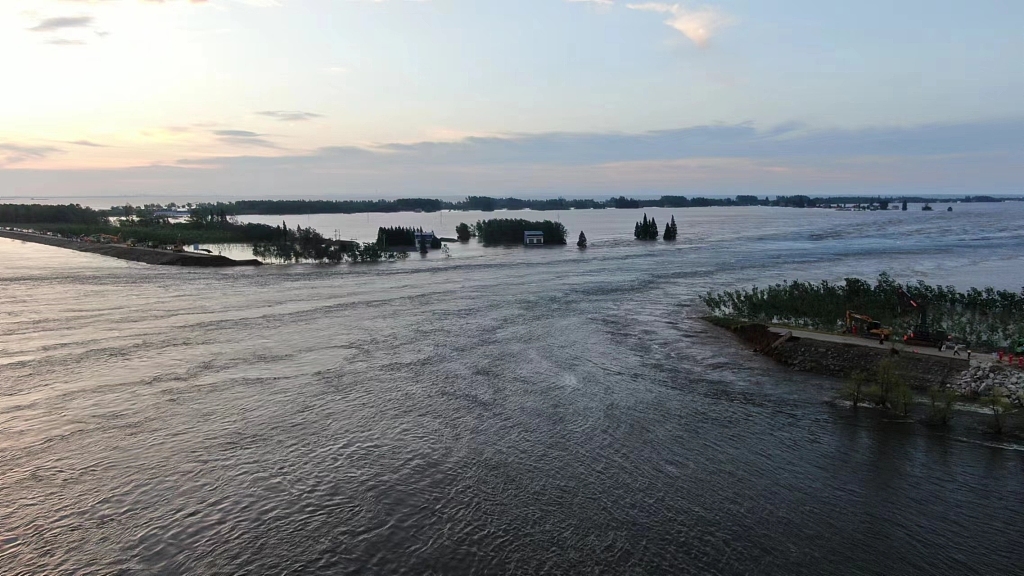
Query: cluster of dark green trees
(396, 236)
(511, 231)
(646, 230)
(401, 236)
(671, 231)
(987, 318)
(20, 214)
(463, 232)
(308, 245)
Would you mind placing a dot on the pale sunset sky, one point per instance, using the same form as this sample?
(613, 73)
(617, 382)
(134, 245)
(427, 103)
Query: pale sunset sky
(385, 98)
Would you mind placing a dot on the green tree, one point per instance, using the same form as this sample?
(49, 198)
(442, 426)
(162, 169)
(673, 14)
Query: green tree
(646, 229)
(671, 231)
(998, 405)
(854, 389)
(462, 232)
(940, 410)
(889, 390)
(902, 398)
(511, 231)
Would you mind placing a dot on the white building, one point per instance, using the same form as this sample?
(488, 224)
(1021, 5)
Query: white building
(427, 237)
(533, 238)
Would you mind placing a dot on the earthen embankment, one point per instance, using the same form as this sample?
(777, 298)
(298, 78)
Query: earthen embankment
(133, 253)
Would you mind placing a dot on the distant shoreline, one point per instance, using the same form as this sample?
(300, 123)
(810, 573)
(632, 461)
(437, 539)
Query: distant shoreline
(132, 253)
(489, 204)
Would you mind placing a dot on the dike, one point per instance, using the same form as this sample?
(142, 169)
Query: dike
(135, 254)
(842, 360)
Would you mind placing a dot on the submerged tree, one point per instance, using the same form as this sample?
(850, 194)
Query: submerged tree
(463, 233)
(582, 242)
(891, 390)
(646, 229)
(671, 231)
(308, 245)
(854, 389)
(940, 412)
(998, 404)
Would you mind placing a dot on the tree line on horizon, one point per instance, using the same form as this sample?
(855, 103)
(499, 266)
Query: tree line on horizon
(490, 204)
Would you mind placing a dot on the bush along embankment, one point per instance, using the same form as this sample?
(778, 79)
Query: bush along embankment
(884, 377)
(986, 319)
(1000, 392)
(510, 231)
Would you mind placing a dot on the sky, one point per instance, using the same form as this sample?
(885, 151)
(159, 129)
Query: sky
(533, 98)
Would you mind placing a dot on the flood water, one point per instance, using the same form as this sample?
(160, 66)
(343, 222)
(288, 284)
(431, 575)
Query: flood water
(501, 410)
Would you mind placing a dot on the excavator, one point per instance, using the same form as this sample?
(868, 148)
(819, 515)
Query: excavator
(865, 326)
(921, 334)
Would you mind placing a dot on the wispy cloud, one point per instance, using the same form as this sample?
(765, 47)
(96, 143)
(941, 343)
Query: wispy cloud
(88, 143)
(244, 138)
(289, 115)
(15, 153)
(62, 23)
(237, 133)
(65, 42)
(783, 142)
(699, 24)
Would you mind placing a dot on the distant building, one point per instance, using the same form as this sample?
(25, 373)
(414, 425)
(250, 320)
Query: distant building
(427, 237)
(171, 214)
(345, 244)
(533, 238)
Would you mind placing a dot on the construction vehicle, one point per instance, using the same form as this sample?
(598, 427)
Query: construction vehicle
(921, 334)
(866, 326)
